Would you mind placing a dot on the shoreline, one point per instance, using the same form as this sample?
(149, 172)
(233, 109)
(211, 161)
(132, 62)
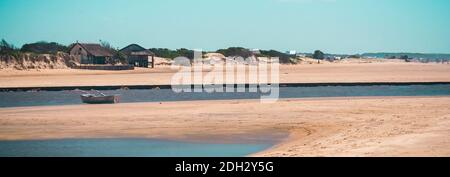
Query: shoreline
(246, 85)
(313, 124)
(300, 73)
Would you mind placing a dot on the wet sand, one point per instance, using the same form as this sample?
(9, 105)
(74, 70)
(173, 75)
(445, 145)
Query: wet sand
(387, 126)
(302, 73)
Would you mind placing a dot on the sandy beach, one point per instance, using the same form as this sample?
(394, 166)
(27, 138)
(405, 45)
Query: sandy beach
(371, 126)
(388, 126)
(303, 73)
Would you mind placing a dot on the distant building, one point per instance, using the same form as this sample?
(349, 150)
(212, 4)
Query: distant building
(291, 52)
(301, 55)
(90, 53)
(255, 51)
(138, 56)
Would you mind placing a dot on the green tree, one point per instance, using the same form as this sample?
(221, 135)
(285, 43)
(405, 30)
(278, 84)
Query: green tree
(6, 48)
(120, 57)
(43, 47)
(283, 57)
(319, 55)
(163, 52)
(354, 56)
(235, 51)
(167, 53)
(185, 53)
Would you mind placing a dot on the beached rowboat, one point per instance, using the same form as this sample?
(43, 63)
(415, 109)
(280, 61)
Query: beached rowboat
(100, 99)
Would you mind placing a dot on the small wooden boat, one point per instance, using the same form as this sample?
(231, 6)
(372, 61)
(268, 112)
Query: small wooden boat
(100, 99)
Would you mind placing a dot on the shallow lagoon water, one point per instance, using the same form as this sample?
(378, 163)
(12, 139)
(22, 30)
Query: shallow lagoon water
(162, 148)
(123, 147)
(70, 97)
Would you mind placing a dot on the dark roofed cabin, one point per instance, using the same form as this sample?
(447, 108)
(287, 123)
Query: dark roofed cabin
(90, 53)
(138, 56)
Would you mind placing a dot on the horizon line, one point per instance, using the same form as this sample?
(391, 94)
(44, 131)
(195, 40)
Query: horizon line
(283, 51)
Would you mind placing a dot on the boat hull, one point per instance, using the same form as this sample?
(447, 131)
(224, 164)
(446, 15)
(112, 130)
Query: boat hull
(108, 99)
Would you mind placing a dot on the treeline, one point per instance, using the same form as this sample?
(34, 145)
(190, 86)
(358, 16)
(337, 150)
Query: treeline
(283, 57)
(43, 47)
(40, 47)
(430, 56)
(243, 52)
(229, 52)
(168, 53)
(235, 51)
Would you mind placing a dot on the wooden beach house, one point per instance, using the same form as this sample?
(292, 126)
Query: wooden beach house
(138, 56)
(90, 53)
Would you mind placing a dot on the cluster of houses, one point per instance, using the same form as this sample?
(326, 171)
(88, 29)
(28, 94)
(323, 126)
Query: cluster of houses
(96, 54)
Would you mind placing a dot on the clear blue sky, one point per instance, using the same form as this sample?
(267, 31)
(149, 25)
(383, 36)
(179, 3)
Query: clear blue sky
(334, 26)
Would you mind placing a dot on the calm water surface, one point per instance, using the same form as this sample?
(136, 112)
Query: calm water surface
(124, 148)
(41, 98)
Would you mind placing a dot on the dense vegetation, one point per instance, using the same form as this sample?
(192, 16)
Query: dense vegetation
(243, 52)
(235, 51)
(167, 53)
(318, 55)
(432, 57)
(118, 57)
(283, 57)
(43, 47)
(353, 56)
(6, 48)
